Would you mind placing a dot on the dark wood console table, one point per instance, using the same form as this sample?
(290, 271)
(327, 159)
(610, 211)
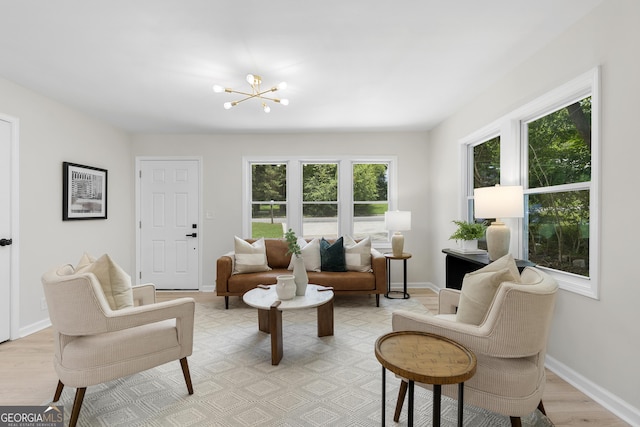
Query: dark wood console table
(458, 264)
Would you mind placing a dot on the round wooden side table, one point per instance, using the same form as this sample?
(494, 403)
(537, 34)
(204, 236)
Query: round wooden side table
(425, 358)
(270, 309)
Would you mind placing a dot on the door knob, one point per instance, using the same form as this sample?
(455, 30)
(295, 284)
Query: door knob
(192, 235)
(7, 242)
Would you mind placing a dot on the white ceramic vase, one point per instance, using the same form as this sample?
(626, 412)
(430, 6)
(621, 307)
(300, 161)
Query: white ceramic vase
(300, 274)
(286, 287)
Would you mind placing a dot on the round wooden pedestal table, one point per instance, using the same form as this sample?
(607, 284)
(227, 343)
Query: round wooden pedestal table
(425, 358)
(270, 309)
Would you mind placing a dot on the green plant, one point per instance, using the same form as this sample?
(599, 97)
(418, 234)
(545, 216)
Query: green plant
(468, 230)
(292, 242)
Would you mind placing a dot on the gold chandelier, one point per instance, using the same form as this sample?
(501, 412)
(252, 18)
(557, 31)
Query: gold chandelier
(256, 92)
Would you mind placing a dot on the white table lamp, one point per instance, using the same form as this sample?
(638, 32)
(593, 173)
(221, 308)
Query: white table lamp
(498, 202)
(397, 221)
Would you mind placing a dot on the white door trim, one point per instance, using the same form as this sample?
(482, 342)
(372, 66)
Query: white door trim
(15, 228)
(138, 196)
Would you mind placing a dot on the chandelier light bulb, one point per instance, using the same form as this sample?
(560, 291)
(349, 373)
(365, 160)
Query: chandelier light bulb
(218, 89)
(227, 105)
(266, 108)
(250, 79)
(284, 101)
(282, 85)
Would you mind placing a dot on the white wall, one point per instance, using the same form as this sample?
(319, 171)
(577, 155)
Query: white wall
(222, 176)
(596, 341)
(51, 133)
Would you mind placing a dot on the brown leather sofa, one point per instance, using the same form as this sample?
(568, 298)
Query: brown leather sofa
(343, 283)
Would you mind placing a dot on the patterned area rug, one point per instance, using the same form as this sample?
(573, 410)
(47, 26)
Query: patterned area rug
(330, 381)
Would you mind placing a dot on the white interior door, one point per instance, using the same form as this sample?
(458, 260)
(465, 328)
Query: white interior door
(169, 229)
(5, 230)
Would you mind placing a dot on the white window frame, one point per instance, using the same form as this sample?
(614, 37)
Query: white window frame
(294, 188)
(511, 128)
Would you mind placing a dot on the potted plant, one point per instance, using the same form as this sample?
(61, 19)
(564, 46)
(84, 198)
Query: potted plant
(468, 233)
(299, 270)
(292, 243)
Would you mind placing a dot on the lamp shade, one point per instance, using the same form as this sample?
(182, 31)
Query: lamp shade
(397, 220)
(499, 202)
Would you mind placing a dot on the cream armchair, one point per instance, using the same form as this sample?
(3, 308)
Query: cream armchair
(95, 344)
(510, 344)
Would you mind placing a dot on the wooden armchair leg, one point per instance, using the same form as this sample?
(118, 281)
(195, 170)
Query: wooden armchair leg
(56, 396)
(187, 375)
(77, 404)
(517, 422)
(401, 394)
(541, 408)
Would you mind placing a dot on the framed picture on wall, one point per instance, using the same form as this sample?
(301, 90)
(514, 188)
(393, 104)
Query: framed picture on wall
(84, 192)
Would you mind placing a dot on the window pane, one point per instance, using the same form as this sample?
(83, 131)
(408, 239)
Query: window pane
(268, 199)
(268, 182)
(320, 220)
(560, 146)
(268, 219)
(486, 163)
(370, 182)
(320, 182)
(370, 190)
(558, 229)
(368, 220)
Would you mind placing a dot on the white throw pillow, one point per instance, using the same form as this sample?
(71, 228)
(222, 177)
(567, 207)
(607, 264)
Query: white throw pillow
(249, 257)
(115, 283)
(85, 260)
(357, 254)
(310, 253)
(479, 288)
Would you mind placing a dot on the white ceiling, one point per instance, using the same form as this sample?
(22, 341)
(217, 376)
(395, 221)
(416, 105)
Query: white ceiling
(149, 65)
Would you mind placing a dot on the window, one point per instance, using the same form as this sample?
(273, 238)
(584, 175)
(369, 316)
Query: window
(558, 161)
(484, 159)
(370, 200)
(268, 199)
(550, 147)
(318, 198)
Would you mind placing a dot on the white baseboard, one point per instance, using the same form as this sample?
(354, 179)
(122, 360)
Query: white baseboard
(34, 327)
(397, 286)
(207, 288)
(611, 402)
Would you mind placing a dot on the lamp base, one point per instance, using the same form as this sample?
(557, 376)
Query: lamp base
(498, 239)
(397, 244)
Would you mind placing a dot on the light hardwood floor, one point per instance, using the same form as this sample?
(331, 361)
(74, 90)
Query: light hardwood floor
(28, 377)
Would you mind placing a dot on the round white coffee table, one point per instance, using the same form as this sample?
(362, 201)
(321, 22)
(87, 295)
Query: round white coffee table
(270, 309)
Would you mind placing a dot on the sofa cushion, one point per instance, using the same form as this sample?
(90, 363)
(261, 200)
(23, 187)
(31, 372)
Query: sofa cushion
(115, 283)
(332, 255)
(310, 253)
(357, 255)
(249, 257)
(480, 286)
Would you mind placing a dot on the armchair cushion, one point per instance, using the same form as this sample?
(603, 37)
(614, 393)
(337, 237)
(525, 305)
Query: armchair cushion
(480, 286)
(250, 257)
(97, 351)
(115, 283)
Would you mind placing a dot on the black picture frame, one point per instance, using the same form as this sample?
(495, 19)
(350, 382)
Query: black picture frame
(84, 192)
